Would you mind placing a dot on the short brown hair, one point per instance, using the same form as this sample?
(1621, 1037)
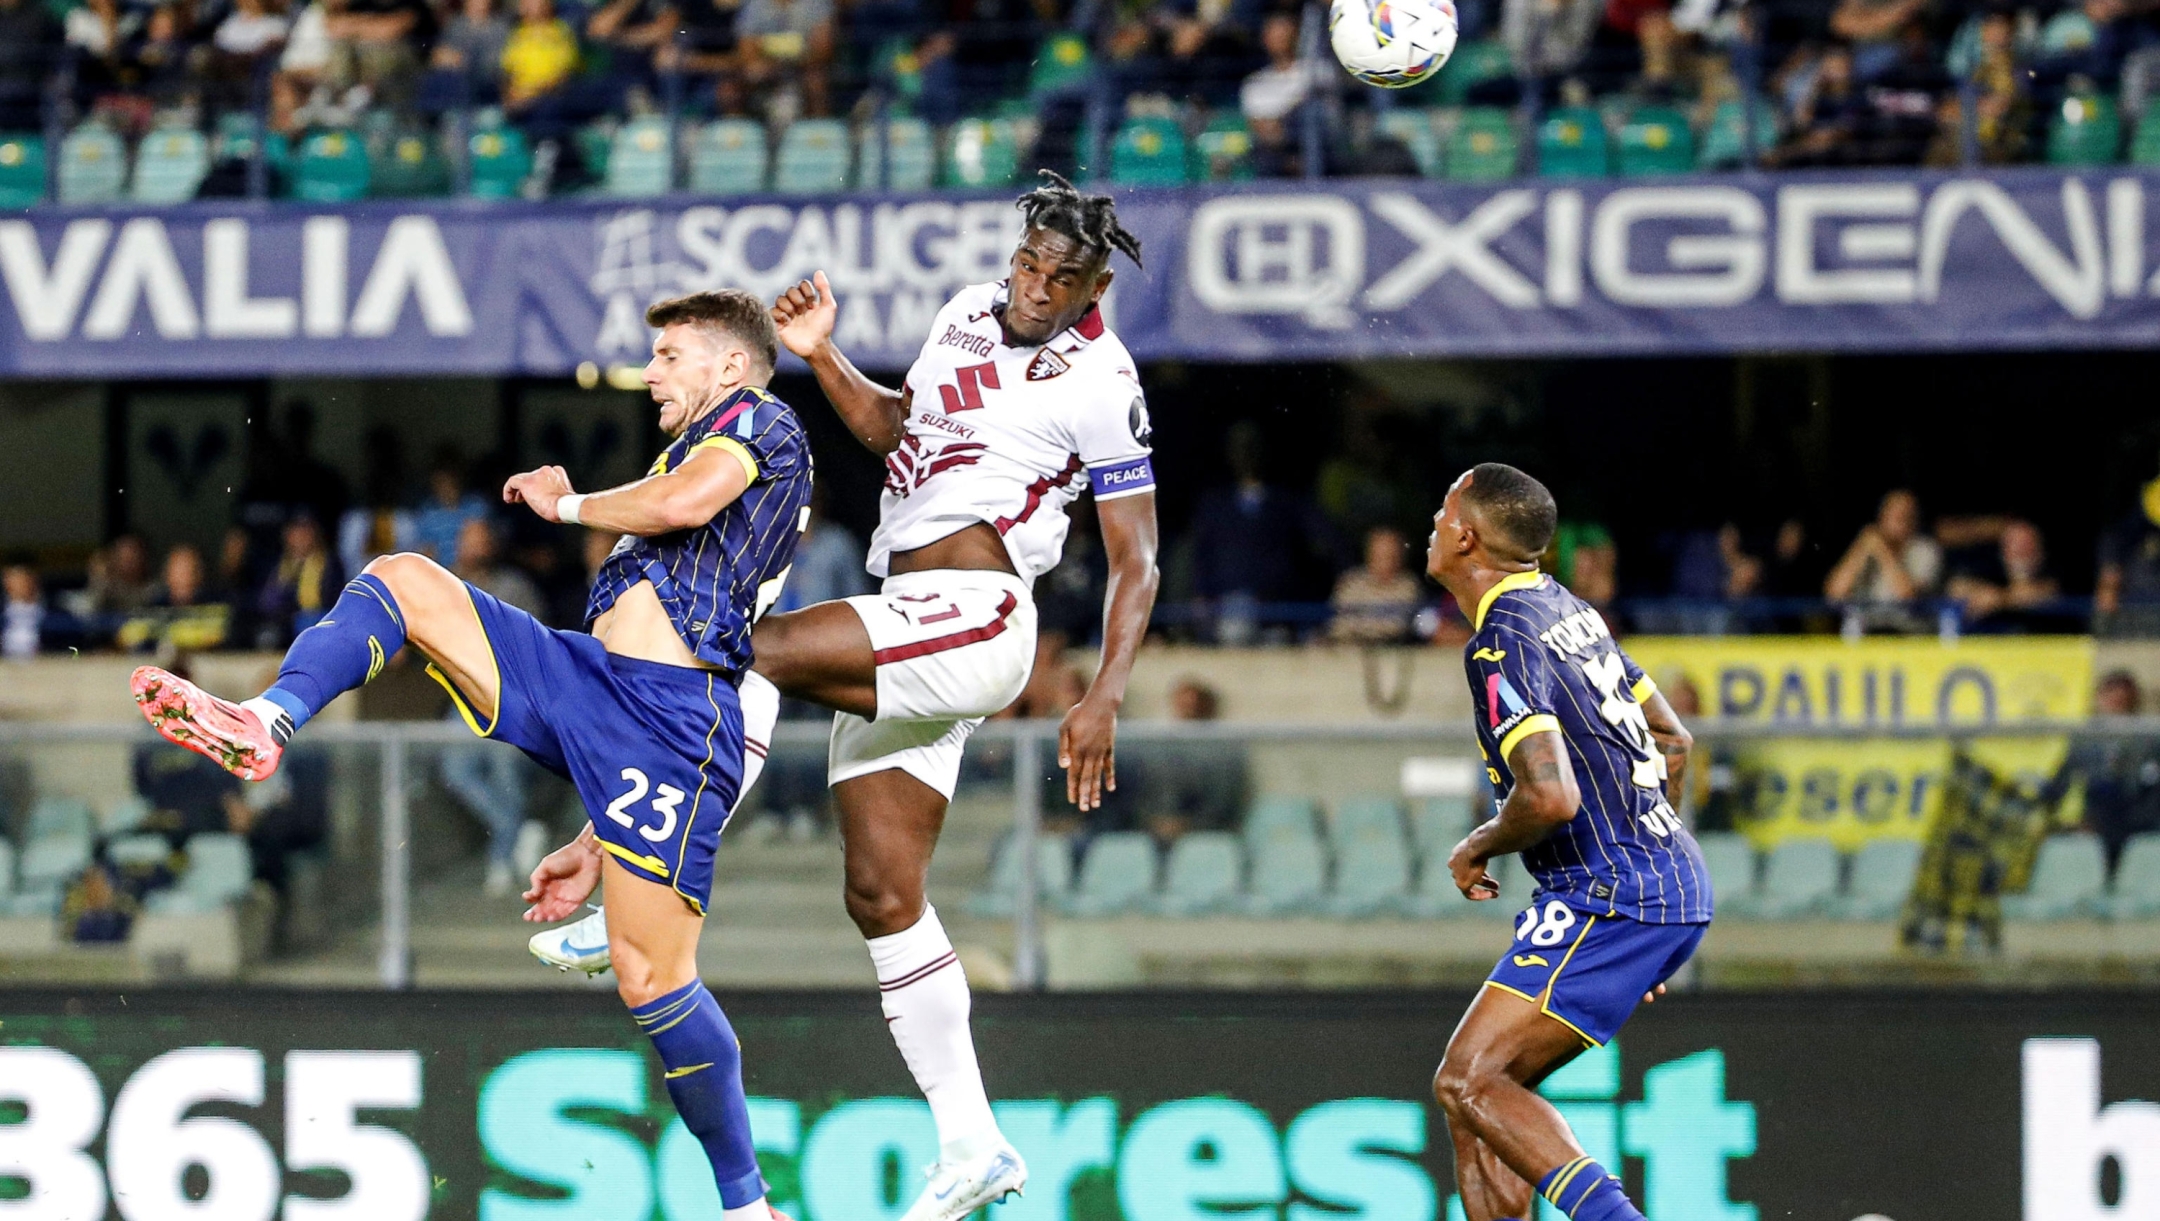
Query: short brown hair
(732, 310)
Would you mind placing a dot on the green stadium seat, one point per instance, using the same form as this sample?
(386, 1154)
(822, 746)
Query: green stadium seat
(2145, 144)
(93, 165)
(2137, 879)
(1724, 143)
(1148, 152)
(332, 167)
(1053, 877)
(1800, 878)
(1882, 879)
(2069, 879)
(1222, 152)
(1202, 875)
(595, 145)
(1731, 862)
(1372, 876)
(22, 170)
(911, 150)
(1472, 65)
(2087, 131)
(1483, 147)
(1289, 874)
(1270, 815)
(1414, 127)
(1571, 144)
(499, 160)
(170, 165)
(236, 139)
(982, 153)
(1370, 816)
(1656, 140)
(812, 158)
(641, 160)
(728, 157)
(1440, 822)
(1060, 63)
(1117, 876)
(406, 164)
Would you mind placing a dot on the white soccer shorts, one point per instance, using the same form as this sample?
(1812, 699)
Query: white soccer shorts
(953, 646)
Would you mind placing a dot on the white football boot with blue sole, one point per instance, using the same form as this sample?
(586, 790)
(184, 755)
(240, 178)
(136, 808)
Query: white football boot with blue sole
(581, 946)
(959, 1188)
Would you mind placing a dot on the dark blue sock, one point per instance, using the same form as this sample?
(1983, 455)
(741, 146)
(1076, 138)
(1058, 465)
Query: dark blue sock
(704, 1077)
(1586, 1192)
(345, 649)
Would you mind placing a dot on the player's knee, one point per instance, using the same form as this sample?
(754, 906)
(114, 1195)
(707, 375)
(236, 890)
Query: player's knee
(1455, 1085)
(413, 579)
(880, 910)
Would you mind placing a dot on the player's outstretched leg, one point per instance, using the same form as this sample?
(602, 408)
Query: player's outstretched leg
(889, 825)
(654, 937)
(1503, 1043)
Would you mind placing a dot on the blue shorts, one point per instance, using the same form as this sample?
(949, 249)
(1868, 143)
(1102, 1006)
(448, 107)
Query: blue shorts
(654, 750)
(1589, 972)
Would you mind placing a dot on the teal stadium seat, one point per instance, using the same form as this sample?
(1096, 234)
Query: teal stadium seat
(812, 158)
(641, 160)
(1202, 875)
(1724, 143)
(1053, 877)
(170, 165)
(1268, 815)
(60, 816)
(407, 164)
(49, 863)
(1372, 874)
(1656, 140)
(1118, 875)
(1731, 862)
(1800, 878)
(123, 815)
(2145, 145)
(22, 170)
(2069, 880)
(728, 157)
(911, 151)
(1571, 144)
(135, 850)
(332, 167)
(1365, 815)
(499, 160)
(1881, 881)
(1149, 152)
(1222, 151)
(1414, 127)
(2087, 130)
(982, 153)
(2136, 895)
(1483, 147)
(93, 165)
(219, 871)
(1440, 822)
(1061, 63)
(1288, 875)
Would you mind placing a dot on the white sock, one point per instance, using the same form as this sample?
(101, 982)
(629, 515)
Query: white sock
(760, 702)
(275, 719)
(755, 1210)
(926, 1007)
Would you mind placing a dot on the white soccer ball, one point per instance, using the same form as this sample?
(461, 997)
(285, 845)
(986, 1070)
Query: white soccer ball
(1392, 43)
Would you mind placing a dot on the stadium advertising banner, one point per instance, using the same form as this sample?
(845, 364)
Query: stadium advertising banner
(545, 1106)
(1862, 261)
(1850, 791)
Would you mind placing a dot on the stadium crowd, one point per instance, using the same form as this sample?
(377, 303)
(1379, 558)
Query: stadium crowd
(1832, 82)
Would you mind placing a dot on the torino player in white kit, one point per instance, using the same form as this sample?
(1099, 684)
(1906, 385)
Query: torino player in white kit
(1021, 400)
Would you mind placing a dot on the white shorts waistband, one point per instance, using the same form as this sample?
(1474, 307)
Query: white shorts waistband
(945, 579)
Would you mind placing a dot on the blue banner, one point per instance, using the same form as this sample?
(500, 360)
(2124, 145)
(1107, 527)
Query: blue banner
(1878, 261)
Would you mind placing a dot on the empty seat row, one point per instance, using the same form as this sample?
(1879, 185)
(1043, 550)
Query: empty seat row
(2070, 881)
(1484, 144)
(60, 840)
(1808, 878)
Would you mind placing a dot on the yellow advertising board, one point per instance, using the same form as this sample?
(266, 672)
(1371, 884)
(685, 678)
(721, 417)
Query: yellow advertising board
(1851, 790)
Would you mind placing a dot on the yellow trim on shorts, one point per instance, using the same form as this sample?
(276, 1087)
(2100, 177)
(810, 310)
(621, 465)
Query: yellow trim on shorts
(1552, 981)
(1543, 722)
(1494, 983)
(682, 850)
(730, 446)
(1643, 689)
(653, 863)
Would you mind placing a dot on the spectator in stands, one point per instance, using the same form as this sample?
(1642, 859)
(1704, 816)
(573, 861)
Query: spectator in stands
(1890, 565)
(1272, 96)
(1710, 569)
(30, 43)
(2126, 599)
(1636, 44)
(1794, 568)
(187, 794)
(184, 614)
(298, 92)
(828, 561)
(629, 32)
(1584, 559)
(249, 34)
(1844, 121)
(537, 59)
(374, 49)
(1197, 785)
(1874, 28)
(2121, 775)
(2089, 40)
(22, 611)
(1998, 585)
(439, 519)
(1547, 39)
(480, 563)
(466, 65)
(120, 578)
(1375, 602)
(158, 68)
(305, 583)
(100, 31)
(1251, 543)
(1991, 60)
(704, 47)
(787, 50)
(378, 526)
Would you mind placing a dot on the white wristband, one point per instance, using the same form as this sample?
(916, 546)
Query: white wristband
(567, 508)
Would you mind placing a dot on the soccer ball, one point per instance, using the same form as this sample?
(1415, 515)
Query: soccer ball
(1392, 43)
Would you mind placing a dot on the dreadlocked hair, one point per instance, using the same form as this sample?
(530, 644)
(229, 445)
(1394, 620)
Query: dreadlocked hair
(1090, 220)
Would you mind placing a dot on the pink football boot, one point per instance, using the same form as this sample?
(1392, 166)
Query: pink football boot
(186, 715)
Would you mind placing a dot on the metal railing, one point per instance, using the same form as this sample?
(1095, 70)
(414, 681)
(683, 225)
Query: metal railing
(1030, 747)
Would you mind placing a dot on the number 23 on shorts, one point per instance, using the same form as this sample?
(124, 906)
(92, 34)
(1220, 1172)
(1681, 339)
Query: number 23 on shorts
(666, 799)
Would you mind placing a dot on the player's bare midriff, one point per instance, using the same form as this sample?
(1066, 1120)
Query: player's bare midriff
(976, 547)
(638, 626)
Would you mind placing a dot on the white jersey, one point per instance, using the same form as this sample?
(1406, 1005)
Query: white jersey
(1010, 436)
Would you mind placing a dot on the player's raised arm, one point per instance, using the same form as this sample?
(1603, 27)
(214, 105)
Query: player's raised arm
(1087, 740)
(1545, 795)
(877, 415)
(682, 499)
(1673, 741)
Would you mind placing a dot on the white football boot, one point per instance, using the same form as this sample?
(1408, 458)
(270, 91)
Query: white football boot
(581, 946)
(959, 1188)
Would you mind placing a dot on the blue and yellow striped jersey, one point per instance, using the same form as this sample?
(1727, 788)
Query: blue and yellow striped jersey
(1543, 659)
(716, 579)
